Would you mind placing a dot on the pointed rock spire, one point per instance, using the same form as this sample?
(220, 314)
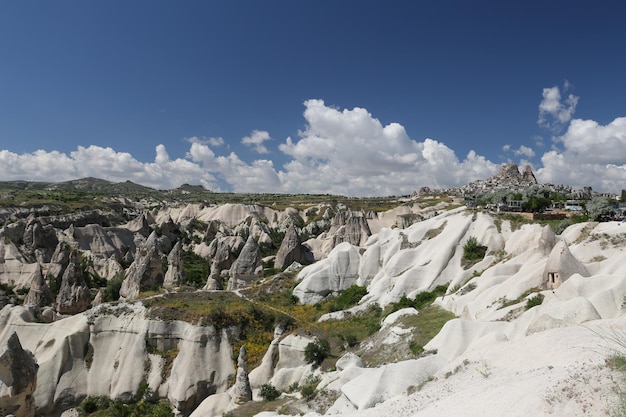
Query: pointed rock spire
(39, 294)
(73, 294)
(241, 391)
(290, 250)
(247, 267)
(18, 379)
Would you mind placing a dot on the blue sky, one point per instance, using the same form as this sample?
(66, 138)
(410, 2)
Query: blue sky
(347, 97)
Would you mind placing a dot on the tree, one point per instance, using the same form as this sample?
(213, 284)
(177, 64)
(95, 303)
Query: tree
(316, 352)
(536, 204)
(598, 208)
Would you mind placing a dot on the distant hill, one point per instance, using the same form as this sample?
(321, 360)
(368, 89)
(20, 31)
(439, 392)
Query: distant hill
(192, 188)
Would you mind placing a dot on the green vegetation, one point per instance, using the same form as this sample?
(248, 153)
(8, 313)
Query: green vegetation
(427, 323)
(473, 252)
(420, 301)
(537, 299)
(112, 290)
(534, 301)
(101, 406)
(195, 269)
(309, 389)
(268, 392)
(316, 352)
(222, 310)
(348, 298)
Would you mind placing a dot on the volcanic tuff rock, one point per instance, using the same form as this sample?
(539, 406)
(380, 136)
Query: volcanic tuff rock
(145, 272)
(108, 351)
(174, 274)
(74, 296)
(351, 227)
(40, 239)
(241, 391)
(329, 276)
(508, 177)
(18, 379)
(247, 267)
(291, 250)
(39, 294)
(105, 242)
(223, 251)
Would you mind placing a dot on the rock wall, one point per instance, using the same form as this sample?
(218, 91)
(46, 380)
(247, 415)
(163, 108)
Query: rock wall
(110, 350)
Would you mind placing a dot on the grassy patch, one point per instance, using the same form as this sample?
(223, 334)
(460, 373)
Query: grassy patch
(427, 323)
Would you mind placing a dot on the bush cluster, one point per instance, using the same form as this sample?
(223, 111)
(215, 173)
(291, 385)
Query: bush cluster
(269, 392)
(473, 252)
(348, 298)
(316, 352)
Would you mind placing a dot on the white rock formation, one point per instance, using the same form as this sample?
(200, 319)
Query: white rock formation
(110, 350)
(329, 276)
(18, 379)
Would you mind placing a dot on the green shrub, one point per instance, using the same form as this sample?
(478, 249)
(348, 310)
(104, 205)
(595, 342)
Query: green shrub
(416, 348)
(316, 352)
(308, 392)
(473, 252)
(348, 298)
(112, 290)
(195, 269)
(93, 404)
(534, 301)
(268, 392)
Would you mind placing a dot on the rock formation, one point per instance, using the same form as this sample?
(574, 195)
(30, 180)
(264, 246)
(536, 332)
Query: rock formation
(18, 379)
(39, 239)
(98, 299)
(290, 251)
(561, 265)
(329, 276)
(145, 272)
(247, 267)
(351, 227)
(174, 274)
(508, 177)
(73, 294)
(223, 251)
(39, 294)
(241, 391)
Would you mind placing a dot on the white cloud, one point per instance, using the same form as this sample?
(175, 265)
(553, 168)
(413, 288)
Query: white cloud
(524, 151)
(553, 113)
(256, 140)
(350, 152)
(213, 141)
(521, 151)
(588, 154)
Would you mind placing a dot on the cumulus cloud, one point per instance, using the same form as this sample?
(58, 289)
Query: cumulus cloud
(553, 112)
(521, 151)
(105, 163)
(525, 151)
(350, 152)
(256, 139)
(588, 154)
